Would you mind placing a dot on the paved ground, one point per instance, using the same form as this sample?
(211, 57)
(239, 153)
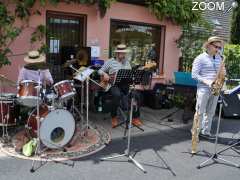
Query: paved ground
(163, 151)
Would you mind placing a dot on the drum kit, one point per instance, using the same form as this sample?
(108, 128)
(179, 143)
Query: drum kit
(49, 120)
(8, 111)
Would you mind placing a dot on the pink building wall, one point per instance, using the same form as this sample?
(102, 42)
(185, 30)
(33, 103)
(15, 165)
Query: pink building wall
(97, 28)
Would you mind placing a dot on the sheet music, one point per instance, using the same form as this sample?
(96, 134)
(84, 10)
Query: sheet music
(84, 74)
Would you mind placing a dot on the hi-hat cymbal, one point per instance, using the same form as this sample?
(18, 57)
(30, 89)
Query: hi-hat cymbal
(5, 81)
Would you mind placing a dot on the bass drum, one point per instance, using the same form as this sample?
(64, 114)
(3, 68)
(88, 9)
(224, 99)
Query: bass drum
(57, 127)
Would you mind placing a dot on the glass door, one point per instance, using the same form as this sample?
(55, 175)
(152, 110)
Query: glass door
(65, 35)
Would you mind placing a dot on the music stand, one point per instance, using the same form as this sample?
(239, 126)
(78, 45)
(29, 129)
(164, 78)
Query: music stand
(84, 76)
(128, 77)
(237, 142)
(215, 156)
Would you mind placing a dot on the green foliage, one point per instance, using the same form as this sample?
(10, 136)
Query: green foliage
(104, 5)
(190, 44)
(178, 100)
(232, 59)
(180, 11)
(44, 49)
(7, 33)
(235, 27)
(23, 11)
(39, 33)
(3, 57)
(37, 36)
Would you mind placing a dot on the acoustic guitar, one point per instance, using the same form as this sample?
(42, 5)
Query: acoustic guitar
(106, 85)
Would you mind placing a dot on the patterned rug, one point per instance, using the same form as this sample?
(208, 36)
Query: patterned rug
(84, 142)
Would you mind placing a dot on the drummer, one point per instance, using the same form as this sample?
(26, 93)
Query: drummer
(36, 67)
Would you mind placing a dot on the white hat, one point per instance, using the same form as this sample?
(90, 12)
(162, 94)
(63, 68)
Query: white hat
(211, 40)
(34, 57)
(121, 48)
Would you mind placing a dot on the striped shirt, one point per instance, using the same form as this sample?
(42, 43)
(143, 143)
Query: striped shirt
(205, 67)
(112, 66)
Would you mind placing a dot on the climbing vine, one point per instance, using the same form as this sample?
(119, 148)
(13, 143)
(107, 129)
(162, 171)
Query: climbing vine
(179, 11)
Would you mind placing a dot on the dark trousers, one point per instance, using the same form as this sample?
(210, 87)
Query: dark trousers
(122, 98)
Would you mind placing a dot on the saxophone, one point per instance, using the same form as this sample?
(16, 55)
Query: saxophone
(219, 80)
(195, 132)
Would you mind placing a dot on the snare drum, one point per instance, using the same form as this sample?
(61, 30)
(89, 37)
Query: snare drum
(9, 111)
(56, 128)
(27, 93)
(64, 89)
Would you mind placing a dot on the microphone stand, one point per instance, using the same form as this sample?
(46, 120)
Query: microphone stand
(38, 148)
(215, 156)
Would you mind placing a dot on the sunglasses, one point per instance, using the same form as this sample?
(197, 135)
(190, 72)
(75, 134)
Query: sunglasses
(217, 47)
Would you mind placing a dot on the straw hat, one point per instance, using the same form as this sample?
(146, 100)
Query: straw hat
(34, 57)
(122, 48)
(211, 40)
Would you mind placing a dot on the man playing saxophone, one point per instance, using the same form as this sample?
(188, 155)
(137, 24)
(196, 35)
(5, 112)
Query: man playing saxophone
(206, 69)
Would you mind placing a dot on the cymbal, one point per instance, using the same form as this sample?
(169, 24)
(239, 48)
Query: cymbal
(5, 81)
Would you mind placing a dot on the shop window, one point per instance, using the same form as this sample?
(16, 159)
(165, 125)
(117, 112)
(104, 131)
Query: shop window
(143, 41)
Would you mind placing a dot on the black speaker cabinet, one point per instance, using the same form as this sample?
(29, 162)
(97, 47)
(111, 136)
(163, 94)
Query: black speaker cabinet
(231, 105)
(158, 98)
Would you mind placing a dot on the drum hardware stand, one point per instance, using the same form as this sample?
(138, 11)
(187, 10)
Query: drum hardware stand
(127, 151)
(75, 110)
(5, 136)
(38, 148)
(3, 129)
(215, 156)
(58, 147)
(87, 79)
(49, 158)
(82, 95)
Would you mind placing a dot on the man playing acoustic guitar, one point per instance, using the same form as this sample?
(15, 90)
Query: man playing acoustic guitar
(108, 70)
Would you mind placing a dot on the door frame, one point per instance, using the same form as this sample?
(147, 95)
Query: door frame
(60, 14)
